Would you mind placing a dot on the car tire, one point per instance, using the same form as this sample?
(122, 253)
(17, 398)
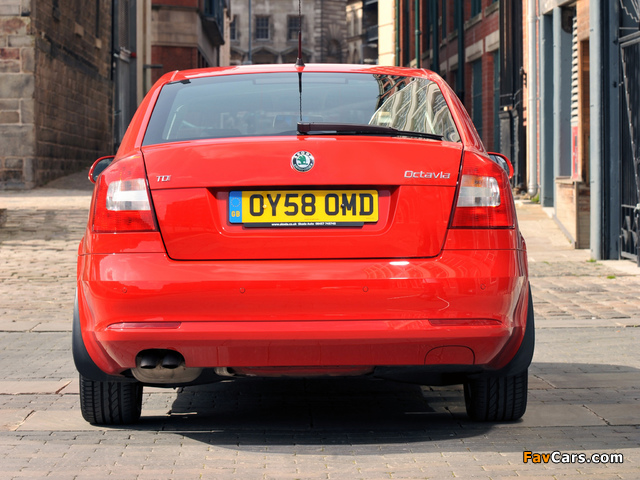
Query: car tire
(497, 399)
(110, 403)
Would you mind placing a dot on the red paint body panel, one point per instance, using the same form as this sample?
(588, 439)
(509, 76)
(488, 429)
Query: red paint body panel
(193, 213)
(105, 243)
(194, 226)
(407, 290)
(265, 161)
(358, 312)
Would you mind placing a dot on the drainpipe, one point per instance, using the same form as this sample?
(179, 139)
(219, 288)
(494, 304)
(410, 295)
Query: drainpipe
(460, 74)
(532, 110)
(249, 55)
(417, 15)
(596, 150)
(435, 57)
(397, 33)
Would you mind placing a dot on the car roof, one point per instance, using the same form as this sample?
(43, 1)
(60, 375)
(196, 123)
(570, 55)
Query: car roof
(179, 75)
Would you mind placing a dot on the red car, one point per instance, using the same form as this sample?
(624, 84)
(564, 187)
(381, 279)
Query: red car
(274, 220)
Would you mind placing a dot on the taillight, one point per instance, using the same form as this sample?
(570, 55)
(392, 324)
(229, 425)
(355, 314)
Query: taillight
(484, 197)
(122, 199)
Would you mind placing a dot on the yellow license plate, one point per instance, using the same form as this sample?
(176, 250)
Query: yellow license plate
(303, 208)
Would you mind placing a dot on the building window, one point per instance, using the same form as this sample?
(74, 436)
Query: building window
(476, 7)
(233, 28)
(476, 95)
(293, 27)
(262, 28)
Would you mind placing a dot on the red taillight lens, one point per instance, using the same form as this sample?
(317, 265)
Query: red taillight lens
(484, 198)
(122, 199)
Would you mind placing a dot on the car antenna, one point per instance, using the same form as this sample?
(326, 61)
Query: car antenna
(299, 61)
(300, 92)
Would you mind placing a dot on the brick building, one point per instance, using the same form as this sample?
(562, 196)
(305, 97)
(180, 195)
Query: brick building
(478, 51)
(188, 34)
(55, 88)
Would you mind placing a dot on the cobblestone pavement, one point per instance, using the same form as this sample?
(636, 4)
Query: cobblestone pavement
(584, 394)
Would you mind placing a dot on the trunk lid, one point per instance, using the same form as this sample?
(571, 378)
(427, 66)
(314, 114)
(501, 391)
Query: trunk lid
(192, 184)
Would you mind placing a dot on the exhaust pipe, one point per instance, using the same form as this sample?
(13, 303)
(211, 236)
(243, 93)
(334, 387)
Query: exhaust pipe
(172, 360)
(149, 359)
(163, 366)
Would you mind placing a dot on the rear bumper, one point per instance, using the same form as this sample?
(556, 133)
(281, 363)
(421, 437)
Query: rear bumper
(464, 308)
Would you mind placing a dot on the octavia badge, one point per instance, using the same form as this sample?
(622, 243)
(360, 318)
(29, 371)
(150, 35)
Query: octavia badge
(302, 161)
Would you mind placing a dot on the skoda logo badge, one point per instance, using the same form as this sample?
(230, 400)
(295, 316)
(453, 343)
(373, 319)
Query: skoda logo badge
(302, 161)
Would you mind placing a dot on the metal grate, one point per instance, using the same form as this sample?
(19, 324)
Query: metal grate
(630, 137)
(574, 72)
(630, 230)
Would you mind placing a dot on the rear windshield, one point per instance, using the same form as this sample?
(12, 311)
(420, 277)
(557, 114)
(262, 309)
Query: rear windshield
(272, 104)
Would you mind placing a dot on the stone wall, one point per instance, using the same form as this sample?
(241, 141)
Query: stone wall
(55, 88)
(331, 31)
(73, 101)
(17, 129)
(175, 37)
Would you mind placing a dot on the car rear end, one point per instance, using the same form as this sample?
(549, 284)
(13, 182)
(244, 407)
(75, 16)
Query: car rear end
(223, 241)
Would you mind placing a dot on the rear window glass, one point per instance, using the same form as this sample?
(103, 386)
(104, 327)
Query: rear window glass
(272, 104)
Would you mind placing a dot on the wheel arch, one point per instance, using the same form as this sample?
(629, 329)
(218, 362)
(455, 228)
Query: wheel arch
(522, 359)
(83, 361)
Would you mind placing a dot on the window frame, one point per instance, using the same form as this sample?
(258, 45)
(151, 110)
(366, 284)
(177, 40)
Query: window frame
(476, 8)
(261, 28)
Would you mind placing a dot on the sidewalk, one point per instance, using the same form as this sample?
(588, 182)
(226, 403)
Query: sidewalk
(39, 235)
(547, 244)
